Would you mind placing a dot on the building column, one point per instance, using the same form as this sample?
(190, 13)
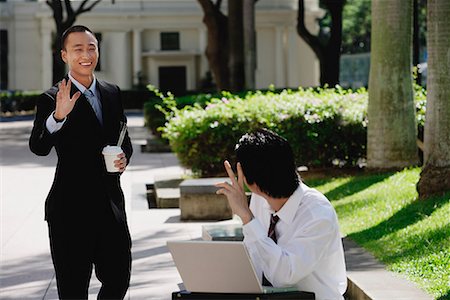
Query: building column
(203, 65)
(137, 55)
(280, 57)
(46, 56)
(119, 57)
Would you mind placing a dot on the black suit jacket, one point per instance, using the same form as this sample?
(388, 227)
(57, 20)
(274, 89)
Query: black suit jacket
(81, 182)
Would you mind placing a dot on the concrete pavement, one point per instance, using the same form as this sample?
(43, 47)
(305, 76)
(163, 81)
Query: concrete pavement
(25, 179)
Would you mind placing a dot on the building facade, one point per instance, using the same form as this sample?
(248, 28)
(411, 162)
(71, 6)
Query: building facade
(161, 42)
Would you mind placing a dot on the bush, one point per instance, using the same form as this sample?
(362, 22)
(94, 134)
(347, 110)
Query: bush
(18, 101)
(155, 108)
(324, 126)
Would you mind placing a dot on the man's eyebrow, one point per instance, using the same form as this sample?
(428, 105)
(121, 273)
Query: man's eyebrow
(81, 45)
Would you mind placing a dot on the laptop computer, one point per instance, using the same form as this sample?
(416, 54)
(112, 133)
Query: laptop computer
(217, 267)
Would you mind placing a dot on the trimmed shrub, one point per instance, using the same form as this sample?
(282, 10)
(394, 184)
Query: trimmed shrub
(155, 109)
(324, 126)
(18, 101)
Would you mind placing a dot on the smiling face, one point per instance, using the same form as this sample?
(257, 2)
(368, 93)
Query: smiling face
(80, 53)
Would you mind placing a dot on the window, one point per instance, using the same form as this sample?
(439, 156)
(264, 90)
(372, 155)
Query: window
(170, 41)
(98, 35)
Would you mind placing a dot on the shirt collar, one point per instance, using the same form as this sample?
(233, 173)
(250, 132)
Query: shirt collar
(289, 209)
(81, 87)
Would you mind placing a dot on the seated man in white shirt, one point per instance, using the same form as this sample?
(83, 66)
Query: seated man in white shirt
(305, 248)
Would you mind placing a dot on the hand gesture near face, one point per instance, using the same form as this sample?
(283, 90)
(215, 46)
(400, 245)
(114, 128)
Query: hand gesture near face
(65, 103)
(235, 193)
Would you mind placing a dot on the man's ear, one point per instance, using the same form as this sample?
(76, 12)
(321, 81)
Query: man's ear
(64, 55)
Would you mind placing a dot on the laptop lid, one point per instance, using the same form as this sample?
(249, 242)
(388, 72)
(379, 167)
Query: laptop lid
(215, 267)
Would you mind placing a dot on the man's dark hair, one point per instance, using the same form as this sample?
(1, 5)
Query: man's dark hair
(267, 160)
(75, 28)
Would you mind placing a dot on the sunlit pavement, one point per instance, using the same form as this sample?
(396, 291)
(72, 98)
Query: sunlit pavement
(25, 179)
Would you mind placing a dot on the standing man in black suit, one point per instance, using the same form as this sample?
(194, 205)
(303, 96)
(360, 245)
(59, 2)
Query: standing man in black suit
(85, 208)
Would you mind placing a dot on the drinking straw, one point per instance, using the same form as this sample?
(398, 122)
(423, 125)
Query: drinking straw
(123, 130)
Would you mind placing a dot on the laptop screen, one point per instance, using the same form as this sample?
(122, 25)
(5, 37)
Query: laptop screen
(215, 267)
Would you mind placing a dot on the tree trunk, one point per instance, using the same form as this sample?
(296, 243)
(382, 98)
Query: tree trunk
(329, 54)
(236, 42)
(435, 176)
(217, 48)
(392, 128)
(59, 67)
(416, 40)
(249, 43)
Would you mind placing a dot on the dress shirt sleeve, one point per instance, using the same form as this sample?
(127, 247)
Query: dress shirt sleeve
(285, 265)
(52, 125)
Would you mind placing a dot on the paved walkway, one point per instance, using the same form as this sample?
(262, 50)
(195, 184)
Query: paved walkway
(26, 271)
(26, 267)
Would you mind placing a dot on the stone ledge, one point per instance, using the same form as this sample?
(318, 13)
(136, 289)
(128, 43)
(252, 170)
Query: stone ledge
(368, 279)
(201, 185)
(199, 201)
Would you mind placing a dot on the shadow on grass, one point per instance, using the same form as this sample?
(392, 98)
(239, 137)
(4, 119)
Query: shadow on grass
(444, 297)
(407, 216)
(355, 185)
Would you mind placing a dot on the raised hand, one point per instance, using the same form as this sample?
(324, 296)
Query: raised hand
(65, 103)
(235, 193)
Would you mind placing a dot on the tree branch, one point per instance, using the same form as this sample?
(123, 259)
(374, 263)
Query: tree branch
(69, 8)
(81, 8)
(310, 39)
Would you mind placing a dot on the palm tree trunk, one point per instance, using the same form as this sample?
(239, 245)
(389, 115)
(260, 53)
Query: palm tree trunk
(392, 128)
(435, 176)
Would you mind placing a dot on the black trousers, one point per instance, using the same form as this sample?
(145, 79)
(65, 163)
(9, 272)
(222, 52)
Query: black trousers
(94, 239)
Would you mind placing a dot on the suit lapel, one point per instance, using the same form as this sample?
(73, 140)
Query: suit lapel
(105, 95)
(82, 102)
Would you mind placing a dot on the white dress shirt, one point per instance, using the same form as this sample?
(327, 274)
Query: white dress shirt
(309, 252)
(52, 125)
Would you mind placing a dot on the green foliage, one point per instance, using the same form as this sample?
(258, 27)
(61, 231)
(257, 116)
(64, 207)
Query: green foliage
(382, 213)
(356, 22)
(324, 126)
(310, 119)
(161, 107)
(18, 101)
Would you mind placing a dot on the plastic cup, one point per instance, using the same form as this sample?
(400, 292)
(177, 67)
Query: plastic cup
(110, 155)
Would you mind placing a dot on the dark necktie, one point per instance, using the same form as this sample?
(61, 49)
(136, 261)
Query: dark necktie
(95, 103)
(273, 235)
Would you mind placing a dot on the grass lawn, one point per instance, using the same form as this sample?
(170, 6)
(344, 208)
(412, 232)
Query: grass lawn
(382, 213)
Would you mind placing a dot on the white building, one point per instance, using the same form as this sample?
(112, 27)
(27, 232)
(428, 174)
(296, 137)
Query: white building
(133, 41)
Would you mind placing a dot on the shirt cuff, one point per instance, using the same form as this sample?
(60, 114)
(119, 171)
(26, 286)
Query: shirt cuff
(253, 231)
(52, 125)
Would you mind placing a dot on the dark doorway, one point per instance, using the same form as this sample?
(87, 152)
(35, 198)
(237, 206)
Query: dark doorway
(3, 59)
(172, 79)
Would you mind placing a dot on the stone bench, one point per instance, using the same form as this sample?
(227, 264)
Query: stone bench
(167, 191)
(199, 201)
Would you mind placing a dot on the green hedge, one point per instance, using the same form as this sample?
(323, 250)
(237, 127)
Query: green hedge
(324, 126)
(154, 108)
(17, 101)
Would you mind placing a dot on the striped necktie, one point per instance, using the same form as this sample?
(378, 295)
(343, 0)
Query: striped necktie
(273, 235)
(95, 103)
